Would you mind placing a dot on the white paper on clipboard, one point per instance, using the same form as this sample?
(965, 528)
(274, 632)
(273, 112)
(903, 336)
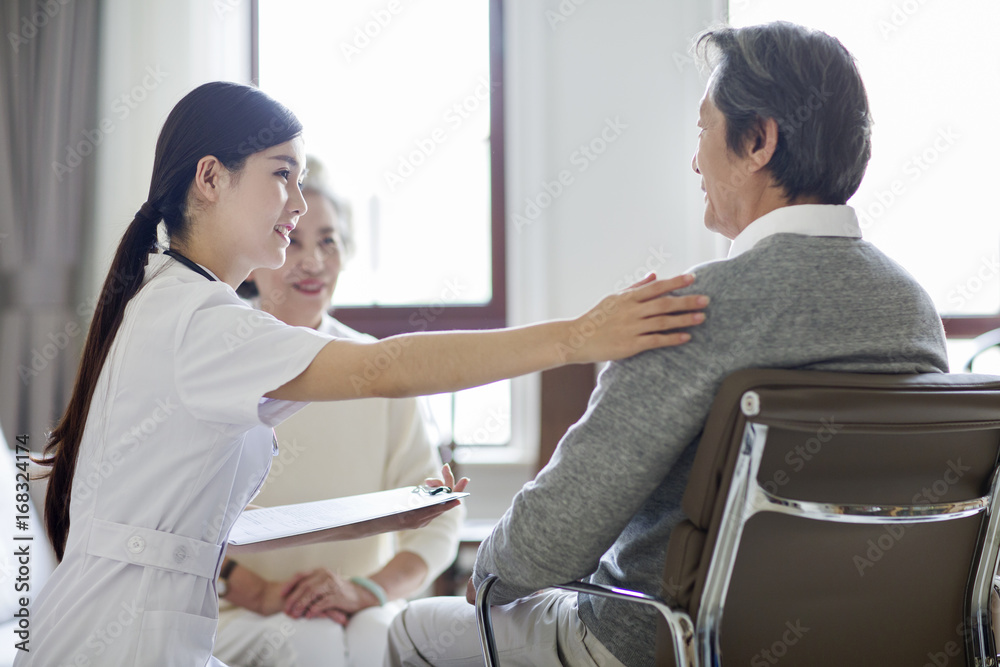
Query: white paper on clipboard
(274, 523)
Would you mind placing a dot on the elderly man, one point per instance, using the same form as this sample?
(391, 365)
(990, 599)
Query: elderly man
(784, 142)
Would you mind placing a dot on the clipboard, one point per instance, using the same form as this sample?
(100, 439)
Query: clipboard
(347, 518)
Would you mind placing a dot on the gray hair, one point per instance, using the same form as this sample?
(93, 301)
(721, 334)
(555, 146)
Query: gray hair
(317, 181)
(809, 83)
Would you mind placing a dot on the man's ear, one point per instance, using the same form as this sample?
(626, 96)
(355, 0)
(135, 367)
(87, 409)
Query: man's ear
(209, 176)
(761, 143)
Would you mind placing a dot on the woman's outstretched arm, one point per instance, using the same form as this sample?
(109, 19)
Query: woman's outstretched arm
(640, 318)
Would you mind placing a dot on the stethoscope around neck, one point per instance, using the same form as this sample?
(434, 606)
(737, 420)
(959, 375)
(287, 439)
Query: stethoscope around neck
(188, 263)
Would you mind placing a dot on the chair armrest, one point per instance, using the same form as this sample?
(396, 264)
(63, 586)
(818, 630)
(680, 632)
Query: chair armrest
(981, 343)
(679, 622)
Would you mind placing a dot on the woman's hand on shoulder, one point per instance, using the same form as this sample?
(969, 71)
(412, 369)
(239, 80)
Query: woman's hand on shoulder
(639, 318)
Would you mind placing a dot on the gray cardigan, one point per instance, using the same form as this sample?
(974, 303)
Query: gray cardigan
(604, 506)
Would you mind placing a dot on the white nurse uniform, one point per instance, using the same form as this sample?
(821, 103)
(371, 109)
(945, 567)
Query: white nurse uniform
(177, 442)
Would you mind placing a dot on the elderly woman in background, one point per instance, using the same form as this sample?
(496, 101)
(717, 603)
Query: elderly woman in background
(330, 604)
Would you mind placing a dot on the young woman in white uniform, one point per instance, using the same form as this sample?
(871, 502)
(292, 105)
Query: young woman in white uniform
(330, 604)
(168, 436)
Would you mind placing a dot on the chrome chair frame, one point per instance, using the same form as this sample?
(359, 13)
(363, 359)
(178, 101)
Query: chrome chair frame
(679, 622)
(697, 644)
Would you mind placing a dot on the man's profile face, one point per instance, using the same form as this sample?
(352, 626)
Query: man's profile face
(722, 178)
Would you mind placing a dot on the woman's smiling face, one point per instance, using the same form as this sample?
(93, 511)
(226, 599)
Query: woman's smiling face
(299, 291)
(261, 205)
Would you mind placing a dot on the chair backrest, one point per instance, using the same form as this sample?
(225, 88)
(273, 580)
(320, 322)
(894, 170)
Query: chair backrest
(841, 519)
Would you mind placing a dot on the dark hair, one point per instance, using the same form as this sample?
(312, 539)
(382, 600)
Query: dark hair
(227, 120)
(809, 83)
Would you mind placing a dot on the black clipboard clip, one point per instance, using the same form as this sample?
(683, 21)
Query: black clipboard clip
(431, 490)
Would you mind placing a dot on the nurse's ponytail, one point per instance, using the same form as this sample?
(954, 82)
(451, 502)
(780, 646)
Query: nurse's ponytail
(122, 283)
(227, 120)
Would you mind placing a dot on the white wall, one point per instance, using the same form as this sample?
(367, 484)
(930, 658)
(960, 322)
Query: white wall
(152, 53)
(635, 207)
(570, 68)
(610, 59)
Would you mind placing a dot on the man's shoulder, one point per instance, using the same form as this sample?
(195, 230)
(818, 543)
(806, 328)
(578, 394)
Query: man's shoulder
(791, 264)
(730, 282)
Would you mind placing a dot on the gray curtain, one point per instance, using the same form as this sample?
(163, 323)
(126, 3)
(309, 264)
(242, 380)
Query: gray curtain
(50, 131)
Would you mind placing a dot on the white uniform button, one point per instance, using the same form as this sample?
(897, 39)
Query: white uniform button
(180, 554)
(136, 544)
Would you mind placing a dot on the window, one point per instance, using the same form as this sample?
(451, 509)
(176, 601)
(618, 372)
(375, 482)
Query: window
(924, 200)
(403, 103)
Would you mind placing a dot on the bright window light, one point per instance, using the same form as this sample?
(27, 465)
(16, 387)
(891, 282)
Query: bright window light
(394, 97)
(928, 70)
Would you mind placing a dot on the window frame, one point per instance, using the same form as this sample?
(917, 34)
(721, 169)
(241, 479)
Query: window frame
(969, 326)
(382, 321)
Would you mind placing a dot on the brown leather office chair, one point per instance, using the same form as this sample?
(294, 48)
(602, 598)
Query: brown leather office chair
(833, 519)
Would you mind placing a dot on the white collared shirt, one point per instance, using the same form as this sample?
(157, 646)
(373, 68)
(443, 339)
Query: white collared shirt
(805, 219)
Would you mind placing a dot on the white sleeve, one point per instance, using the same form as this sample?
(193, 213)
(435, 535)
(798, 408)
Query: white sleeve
(229, 355)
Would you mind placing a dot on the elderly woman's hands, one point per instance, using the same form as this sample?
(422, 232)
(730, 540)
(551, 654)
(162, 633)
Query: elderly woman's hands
(324, 593)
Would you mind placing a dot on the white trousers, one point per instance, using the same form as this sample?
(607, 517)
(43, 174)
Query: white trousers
(249, 640)
(542, 630)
